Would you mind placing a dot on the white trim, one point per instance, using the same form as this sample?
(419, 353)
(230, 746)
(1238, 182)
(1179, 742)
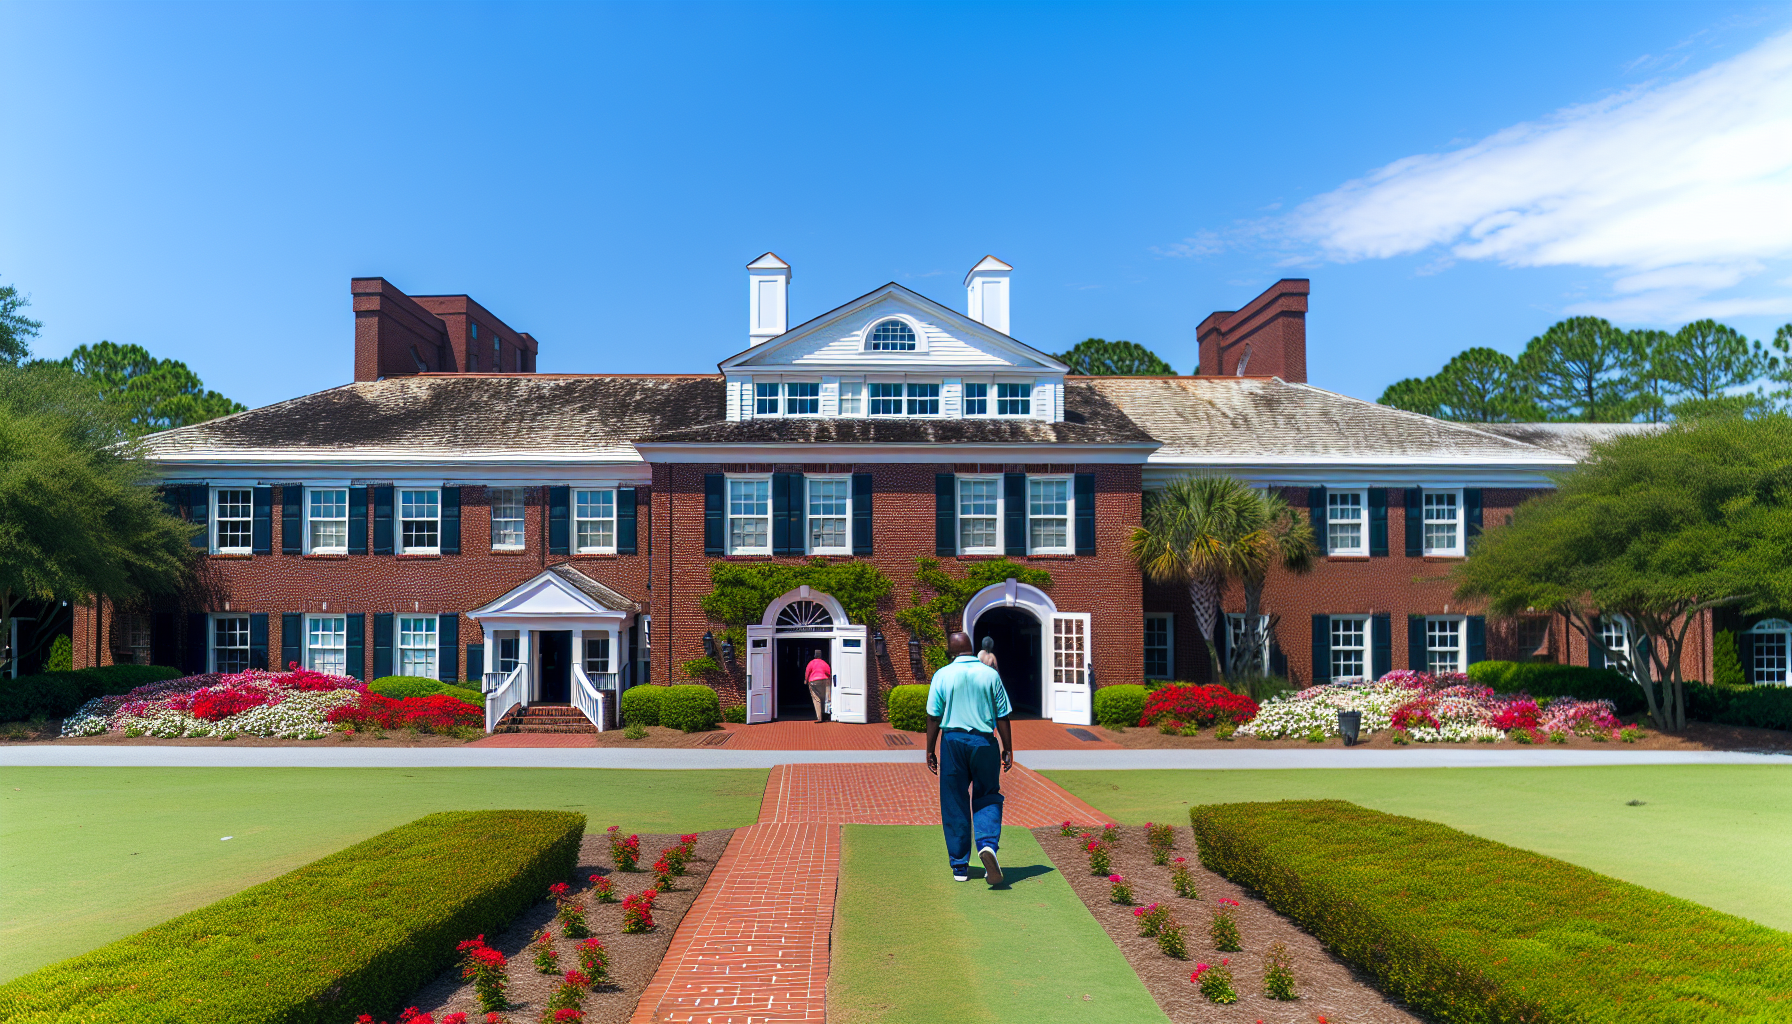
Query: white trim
(709, 452)
(1456, 549)
(906, 320)
(1367, 622)
(573, 515)
(523, 518)
(958, 512)
(804, 593)
(809, 479)
(1010, 593)
(728, 516)
(213, 520)
(398, 521)
(1461, 647)
(1069, 516)
(1782, 631)
(211, 639)
(1362, 521)
(305, 647)
(1169, 621)
(305, 520)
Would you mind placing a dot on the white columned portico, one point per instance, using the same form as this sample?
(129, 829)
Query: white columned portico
(560, 599)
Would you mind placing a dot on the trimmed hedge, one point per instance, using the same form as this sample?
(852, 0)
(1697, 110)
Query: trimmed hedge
(1465, 929)
(691, 707)
(356, 932)
(1542, 679)
(1761, 707)
(641, 704)
(1119, 706)
(61, 694)
(400, 687)
(907, 707)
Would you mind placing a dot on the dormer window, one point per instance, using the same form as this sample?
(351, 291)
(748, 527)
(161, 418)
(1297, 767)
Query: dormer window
(765, 399)
(892, 336)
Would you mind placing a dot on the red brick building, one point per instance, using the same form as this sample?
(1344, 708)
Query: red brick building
(452, 513)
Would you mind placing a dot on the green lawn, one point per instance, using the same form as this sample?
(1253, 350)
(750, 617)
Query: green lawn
(912, 945)
(89, 855)
(1720, 835)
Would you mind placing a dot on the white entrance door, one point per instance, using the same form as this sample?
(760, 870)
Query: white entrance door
(1067, 668)
(762, 678)
(849, 674)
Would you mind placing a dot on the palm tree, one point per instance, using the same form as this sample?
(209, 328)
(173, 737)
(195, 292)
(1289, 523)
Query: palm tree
(1276, 536)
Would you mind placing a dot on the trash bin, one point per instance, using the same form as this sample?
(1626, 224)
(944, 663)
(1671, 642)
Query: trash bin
(1350, 723)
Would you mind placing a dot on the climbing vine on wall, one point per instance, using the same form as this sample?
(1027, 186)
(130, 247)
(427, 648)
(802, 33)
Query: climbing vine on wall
(743, 590)
(926, 618)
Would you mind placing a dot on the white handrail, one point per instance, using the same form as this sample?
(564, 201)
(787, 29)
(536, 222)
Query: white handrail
(588, 698)
(513, 691)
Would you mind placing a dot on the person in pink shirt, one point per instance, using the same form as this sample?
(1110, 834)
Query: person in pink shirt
(818, 674)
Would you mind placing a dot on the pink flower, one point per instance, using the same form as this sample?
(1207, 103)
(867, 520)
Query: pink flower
(1200, 969)
(1116, 879)
(1138, 911)
(1224, 902)
(1179, 860)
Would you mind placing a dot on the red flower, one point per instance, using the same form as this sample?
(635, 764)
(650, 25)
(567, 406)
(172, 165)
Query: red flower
(557, 890)
(1202, 705)
(454, 1018)
(578, 980)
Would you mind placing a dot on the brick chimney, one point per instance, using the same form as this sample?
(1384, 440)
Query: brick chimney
(1268, 336)
(398, 334)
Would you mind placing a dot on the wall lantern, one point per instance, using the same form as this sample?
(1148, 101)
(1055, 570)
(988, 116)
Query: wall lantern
(728, 651)
(914, 657)
(709, 644)
(877, 645)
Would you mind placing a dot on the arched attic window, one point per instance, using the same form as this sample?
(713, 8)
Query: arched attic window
(1767, 653)
(892, 336)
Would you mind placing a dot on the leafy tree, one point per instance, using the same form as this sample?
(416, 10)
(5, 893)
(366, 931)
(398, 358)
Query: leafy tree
(1480, 385)
(1577, 371)
(1649, 361)
(1779, 367)
(1096, 357)
(1274, 537)
(76, 519)
(1706, 359)
(1656, 528)
(1414, 394)
(149, 394)
(16, 329)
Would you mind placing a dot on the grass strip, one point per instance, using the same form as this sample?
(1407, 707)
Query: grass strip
(357, 931)
(1469, 930)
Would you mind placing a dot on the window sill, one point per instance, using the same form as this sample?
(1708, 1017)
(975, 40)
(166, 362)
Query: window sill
(1445, 558)
(1054, 556)
(327, 555)
(596, 556)
(1347, 558)
(242, 555)
(510, 551)
(419, 556)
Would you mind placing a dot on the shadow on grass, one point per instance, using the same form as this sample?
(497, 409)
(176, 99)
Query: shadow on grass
(1018, 873)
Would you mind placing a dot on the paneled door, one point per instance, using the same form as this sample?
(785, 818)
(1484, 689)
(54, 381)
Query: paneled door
(849, 674)
(762, 682)
(1067, 669)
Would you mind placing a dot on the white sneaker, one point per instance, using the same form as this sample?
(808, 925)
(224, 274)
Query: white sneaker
(992, 871)
(961, 874)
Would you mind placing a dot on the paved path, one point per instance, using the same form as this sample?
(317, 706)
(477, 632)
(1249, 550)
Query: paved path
(1455, 757)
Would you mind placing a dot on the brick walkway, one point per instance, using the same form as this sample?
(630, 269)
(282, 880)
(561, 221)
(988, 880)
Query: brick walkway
(904, 794)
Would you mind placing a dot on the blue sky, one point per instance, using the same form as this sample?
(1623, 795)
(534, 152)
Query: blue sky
(204, 180)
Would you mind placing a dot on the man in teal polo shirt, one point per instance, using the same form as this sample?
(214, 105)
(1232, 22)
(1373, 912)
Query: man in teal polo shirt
(968, 703)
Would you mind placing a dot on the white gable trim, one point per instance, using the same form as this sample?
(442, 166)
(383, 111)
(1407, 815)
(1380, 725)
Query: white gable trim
(546, 595)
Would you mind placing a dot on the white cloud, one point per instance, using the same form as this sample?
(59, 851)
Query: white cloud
(1680, 190)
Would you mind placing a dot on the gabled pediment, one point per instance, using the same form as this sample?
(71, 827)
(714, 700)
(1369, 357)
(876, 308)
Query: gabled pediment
(839, 340)
(559, 591)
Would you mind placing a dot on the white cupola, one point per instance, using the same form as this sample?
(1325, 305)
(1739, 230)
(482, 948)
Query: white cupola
(987, 289)
(768, 295)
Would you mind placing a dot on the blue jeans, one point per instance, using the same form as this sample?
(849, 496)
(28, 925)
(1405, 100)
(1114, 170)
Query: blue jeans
(969, 761)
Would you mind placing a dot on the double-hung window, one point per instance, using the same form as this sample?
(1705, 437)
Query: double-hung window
(1160, 647)
(803, 399)
(1014, 399)
(852, 398)
(326, 520)
(886, 399)
(507, 518)
(233, 510)
(1048, 515)
(1346, 525)
(420, 522)
(1443, 523)
(597, 655)
(508, 654)
(326, 644)
(765, 399)
(131, 643)
(976, 399)
(979, 515)
(1770, 653)
(923, 399)
(594, 521)
(1350, 648)
(1615, 631)
(1237, 640)
(750, 516)
(1443, 645)
(230, 643)
(417, 646)
(830, 515)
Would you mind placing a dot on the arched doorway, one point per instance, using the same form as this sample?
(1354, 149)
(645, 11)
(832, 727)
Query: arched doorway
(1051, 675)
(1016, 634)
(797, 628)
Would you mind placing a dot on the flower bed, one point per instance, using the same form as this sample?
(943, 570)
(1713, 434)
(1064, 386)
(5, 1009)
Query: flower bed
(1445, 708)
(1196, 705)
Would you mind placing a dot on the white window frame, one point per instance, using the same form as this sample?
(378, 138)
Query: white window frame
(852, 398)
(1235, 634)
(1025, 397)
(402, 519)
(593, 549)
(213, 647)
(309, 636)
(791, 400)
(1367, 649)
(1362, 521)
(598, 664)
(767, 398)
(809, 516)
(1461, 647)
(966, 398)
(1781, 632)
(127, 629)
(914, 328)
(1622, 625)
(959, 516)
(502, 662)
(909, 400)
(730, 517)
(1169, 645)
(1456, 549)
(400, 649)
(521, 519)
(217, 521)
(311, 545)
(872, 400)
(1069, 516)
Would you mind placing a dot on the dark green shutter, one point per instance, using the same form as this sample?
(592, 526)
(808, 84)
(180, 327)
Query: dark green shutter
(450, 541)
(1471, 502)
(715, 521)
(382, 644)
(1085, 513)
(164, 640)
(1278, 661)
(1381, 644)
(1378, 522)
(1595, 656)
(1014, 513)
(382, 520)
(1415, 523)
(1477, 639)
(1222, 636)
(1415, 643)
(357, 522)
(799, 514)
(861, 515)
(559, 520)
(198, 642)
(625, 525)
(1322, 647)
(199, 507)
(261, 528)
(448, 648)
(258, 640)
(1745, 653)
(475, 665)
(945, 514)
(780, 537)
(292, 519)
(1316, 512)
(292, 640)
(357, 645)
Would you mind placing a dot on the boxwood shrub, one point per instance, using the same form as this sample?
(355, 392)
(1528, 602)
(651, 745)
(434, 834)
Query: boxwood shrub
(1119, 706)
(61, 694)
(690, 707)
(399, 687)
(356, 932)
(641, 704)
(1466, 930)
(1762, 707)
(1542, 679)
(907, 707)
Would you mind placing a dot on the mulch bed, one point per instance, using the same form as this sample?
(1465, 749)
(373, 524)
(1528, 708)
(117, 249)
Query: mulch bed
(633, 958)
(1327, 986)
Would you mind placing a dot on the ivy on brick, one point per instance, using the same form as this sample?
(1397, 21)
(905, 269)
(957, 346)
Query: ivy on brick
(926, 618)
(743, 590)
